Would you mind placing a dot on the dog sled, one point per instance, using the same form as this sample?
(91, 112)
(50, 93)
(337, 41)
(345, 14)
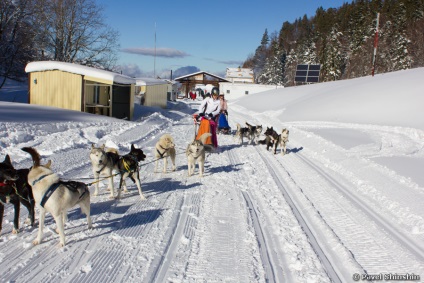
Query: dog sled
(202, 126)
(223, 126)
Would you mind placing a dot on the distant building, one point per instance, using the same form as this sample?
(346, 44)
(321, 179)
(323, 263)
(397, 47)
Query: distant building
(190, 81)
(81, 88)
(237, 90)
(240, 75)
(152, 92)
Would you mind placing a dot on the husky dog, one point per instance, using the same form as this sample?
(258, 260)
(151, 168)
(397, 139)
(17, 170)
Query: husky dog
(255, 132)
(55, 196)
(271, 138)
(14, 189)
(196, 153)
(284, 139)
(165, 148)
(104, 161)
(242, 132)
(128, 168)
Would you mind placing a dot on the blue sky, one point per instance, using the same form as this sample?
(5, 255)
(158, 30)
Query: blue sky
(210, 36)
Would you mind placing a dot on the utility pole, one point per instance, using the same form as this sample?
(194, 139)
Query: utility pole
(154, 62)
(375, 45)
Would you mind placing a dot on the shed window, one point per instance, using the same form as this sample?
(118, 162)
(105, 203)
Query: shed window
(96, 94)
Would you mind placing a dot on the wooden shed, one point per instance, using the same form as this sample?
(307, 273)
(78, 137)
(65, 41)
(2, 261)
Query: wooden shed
(80, 88)
(152, 92)
(189, 81)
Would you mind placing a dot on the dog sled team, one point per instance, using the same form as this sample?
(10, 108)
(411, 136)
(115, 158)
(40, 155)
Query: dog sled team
(42, 186)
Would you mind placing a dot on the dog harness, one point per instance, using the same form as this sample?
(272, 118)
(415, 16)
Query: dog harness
(49, 193)
(162, 154)
(41, 178)
(109, 157)
(72, 186)
(131, 165)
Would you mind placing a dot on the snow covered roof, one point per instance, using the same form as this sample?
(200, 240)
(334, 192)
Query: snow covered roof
(80, 70)
(198, 73)
(239, 73)
(150, 81)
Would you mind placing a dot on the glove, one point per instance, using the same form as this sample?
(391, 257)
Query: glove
(210, 115)
(201, 115)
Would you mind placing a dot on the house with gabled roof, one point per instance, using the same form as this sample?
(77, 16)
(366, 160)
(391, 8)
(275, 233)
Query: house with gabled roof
(189, 81)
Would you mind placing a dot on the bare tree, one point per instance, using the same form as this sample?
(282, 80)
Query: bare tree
(73, 31)
(15, 39)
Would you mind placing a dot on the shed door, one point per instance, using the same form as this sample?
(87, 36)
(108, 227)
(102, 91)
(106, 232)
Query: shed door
(121, 101)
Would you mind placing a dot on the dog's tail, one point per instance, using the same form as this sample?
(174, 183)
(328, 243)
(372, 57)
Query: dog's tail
(204, 136)
(34, 154)
(238, 126)
(247, 124)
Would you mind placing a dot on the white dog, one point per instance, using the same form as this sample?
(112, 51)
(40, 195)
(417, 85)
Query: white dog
(284, 139)
(104, 160)
(165, 148)
(195, 152)
(55, 196)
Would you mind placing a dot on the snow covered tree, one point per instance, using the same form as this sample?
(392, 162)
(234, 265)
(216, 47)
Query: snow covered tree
(333, 59)
(273, 71)
(290, 68)
(260, 57)
(393, 52)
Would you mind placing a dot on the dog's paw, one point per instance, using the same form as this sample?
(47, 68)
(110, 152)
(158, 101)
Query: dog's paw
(35, 242)
(61, 245)
(142, 197)
(108, 189)
(15, 231)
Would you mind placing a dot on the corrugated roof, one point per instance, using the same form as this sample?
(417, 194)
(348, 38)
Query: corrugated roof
(78, 69)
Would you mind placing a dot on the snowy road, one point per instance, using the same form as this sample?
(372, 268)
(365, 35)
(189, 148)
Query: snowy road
(321, 213)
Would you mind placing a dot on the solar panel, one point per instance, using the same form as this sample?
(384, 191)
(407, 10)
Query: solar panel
(307, 73)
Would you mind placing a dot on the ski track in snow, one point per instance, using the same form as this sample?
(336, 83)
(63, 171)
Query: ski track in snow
(253, 217)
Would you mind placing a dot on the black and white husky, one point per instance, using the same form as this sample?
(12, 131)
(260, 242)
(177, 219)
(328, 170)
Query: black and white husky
(255, 132)
(128, 168)
(104, 160)
(242, 132)
(55, 196)
(272, 138)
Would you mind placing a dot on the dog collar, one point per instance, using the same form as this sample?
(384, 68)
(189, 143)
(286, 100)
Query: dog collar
(41, 178)
(6, 183)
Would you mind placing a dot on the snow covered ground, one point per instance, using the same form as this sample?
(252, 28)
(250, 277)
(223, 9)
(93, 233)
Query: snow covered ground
(346, 201)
